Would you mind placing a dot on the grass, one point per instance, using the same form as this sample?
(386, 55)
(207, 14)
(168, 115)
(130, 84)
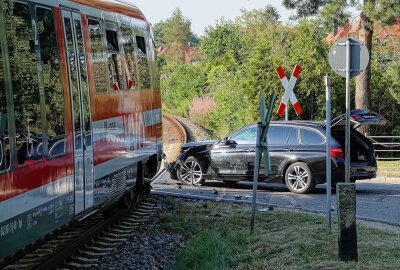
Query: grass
(389, 168)
(219, 238)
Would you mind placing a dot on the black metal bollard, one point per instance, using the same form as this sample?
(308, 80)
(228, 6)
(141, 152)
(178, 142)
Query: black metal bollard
(346, 199)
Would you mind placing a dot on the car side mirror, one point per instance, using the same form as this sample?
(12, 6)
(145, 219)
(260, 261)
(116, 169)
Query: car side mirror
(229, 140)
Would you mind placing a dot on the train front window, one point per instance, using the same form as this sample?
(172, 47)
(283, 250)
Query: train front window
(24, 80)
(98, 51)
(115, 61)
(53, 89)
(144, 71)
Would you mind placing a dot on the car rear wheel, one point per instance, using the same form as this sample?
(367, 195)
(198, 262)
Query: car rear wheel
(299, 179)
(190, 173)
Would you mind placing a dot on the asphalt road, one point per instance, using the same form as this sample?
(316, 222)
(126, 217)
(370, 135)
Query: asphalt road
(376, 200)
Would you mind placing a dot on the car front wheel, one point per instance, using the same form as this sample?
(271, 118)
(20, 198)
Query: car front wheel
(190, 173)
(299, 179)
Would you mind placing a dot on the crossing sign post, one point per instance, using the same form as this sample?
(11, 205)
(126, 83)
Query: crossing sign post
(289, 94)
(261, 149)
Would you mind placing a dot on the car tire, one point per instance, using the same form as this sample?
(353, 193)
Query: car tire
(299, 178)
(190, 172)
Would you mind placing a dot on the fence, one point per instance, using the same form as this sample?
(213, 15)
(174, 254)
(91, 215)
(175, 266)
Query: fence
(386, 147)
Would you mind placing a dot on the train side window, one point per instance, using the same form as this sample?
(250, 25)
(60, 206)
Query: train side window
(4, 137)
(130, 62)
(98, 53)
(53, 89)
(144, 71)
(115, 61)
(24, 80)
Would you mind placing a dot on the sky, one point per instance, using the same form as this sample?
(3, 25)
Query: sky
(204, 13)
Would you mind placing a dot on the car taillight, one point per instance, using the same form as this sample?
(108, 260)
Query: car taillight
(336, 152)
(356, 117)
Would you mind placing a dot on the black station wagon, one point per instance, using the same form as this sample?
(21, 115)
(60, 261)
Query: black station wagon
(297, 151)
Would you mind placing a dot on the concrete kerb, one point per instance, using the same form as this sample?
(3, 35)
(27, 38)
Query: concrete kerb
(382, 179)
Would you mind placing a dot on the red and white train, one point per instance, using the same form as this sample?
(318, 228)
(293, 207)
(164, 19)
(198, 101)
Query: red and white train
(80, 112)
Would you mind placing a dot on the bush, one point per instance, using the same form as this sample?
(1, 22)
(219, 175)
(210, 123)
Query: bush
(200, 108)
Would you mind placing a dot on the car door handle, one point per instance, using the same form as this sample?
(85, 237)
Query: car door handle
(248, 150)
(288, 149)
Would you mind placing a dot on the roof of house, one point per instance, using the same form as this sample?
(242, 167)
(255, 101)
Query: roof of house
(389, 31)
(189, 54)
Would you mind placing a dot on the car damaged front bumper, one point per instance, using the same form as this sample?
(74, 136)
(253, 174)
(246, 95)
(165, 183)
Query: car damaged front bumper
(172, 168)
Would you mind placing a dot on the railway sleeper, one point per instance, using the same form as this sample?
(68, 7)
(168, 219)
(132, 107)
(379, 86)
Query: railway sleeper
(118, 235)
(31, 260)
(116, 239)
(145, 210)
(101, 243)
(69, 235)
(83, 259)
(98, 249)
(20, 266)
(75, 265)
(43, 251)
(35, 255)
(126, 226)
(134, 218)
(55, 243)
(137, 220)
(131, 219)
(130, 225)
(92, 254)
(147, 203)
(126, 231)
(150, 208)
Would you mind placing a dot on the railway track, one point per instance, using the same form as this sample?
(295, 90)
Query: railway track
(174, 135)
(84, 244)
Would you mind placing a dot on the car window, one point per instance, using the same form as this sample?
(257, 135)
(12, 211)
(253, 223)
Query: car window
(246, 136)
(294, 137)
(311, 137)
(278, 134)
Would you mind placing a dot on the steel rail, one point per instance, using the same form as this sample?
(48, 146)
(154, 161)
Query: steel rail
(82, 240)
(178, 127)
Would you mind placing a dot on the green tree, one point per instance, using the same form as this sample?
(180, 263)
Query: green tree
(334, 12)
(174, 34)
(180, 83)
(259, 18)
(226, 37)
(158, 31)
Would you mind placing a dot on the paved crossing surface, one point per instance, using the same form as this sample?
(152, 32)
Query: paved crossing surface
(377, 200)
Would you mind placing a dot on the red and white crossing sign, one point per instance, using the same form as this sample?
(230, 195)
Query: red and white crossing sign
(289, 86)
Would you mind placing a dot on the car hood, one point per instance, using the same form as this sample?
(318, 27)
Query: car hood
(197, 144)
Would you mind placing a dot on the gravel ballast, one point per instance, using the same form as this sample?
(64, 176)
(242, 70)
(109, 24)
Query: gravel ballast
(150, 247)
(194, 132)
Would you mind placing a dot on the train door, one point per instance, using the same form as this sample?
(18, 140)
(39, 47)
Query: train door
(80, 108)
